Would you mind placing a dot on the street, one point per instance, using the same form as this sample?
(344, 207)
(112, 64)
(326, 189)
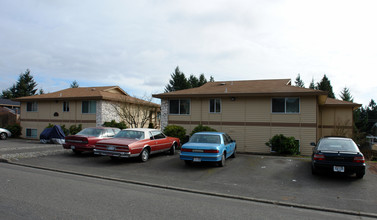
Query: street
(28, 193)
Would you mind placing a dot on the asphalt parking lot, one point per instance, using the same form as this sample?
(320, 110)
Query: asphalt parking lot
(285, 179)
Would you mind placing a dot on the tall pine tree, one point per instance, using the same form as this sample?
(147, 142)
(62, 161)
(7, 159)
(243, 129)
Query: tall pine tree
(25, 86)
(178, 81)
(345, 95)
(299, 82)
(325, 85)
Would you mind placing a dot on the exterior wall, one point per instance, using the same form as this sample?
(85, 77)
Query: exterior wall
(106, 112)
(336, 121)
(250, 121)
(46, 109)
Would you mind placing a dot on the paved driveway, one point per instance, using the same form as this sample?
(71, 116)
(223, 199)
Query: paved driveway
(287, 179)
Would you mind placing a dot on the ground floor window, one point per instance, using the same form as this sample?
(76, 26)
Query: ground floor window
(31, 133)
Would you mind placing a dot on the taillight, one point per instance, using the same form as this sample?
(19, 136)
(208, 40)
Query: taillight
(319, 157)
(122, 148)
(359, 159)
(186, 150)
(211, 151)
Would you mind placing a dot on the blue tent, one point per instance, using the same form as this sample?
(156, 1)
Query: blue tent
(52, 135)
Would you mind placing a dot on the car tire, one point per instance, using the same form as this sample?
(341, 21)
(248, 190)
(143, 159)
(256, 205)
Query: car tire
(144, 155)
(172, 149)
(221, 163)
(360, 175)
(234, 153)
(3, 136)
(77, 152)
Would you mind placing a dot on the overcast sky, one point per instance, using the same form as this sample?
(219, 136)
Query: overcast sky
(138, 44)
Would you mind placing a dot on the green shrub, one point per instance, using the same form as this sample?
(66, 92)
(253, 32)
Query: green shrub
(49, 125)
(283, 145)
(176, 131)
(65, 130)
(200, 128)
(15, 129)
(114, 124)
(73, 129)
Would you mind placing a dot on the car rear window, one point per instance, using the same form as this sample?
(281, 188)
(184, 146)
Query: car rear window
(205, 138)
(130, 134)
(337, 145)
(92, 132)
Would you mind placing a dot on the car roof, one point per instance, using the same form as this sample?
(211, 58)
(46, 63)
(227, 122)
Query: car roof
(142, 129)
(210, 132)
(335, 137)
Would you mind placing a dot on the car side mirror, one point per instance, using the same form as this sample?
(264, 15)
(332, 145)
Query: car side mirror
(313, 144)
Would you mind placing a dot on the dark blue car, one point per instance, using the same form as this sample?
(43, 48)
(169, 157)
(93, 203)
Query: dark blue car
(209, 146)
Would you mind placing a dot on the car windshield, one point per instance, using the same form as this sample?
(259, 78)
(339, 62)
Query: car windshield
(93, 132)
(337, 145)
(205, 138)
(130, 134)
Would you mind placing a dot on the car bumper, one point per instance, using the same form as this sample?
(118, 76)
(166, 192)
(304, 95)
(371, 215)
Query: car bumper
(114, 153)
(79, 147)
(198, 157)
(328, 167)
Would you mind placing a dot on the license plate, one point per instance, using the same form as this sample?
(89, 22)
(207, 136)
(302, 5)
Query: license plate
(197, 159)
(73, 147)
(111, 148)
(197, 151)
(339, 169)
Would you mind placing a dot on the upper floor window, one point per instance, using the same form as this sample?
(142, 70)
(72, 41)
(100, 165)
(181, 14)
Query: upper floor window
(215, 105)
(65, 106)
(179, 106)
(285, 105)
(89, 107)
(31, 106)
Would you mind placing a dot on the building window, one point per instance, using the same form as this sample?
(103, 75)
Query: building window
(31, 106)
(215, 105)
(89, 107)
(31, 133)
(179, 107)
(285, 105)
(65, 106)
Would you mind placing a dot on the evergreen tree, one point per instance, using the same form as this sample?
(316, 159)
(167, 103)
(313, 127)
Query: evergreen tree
(41, 91)
(345, 95)
(202, 80)
(193, 81)
(312, 85)
(325, 85)
(211, 79)
(74, 84)
(299, 82)
(25, 86)
(178, 81)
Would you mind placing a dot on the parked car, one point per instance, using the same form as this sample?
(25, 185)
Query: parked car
(337, 155)
(209, 146)
(137, 142)
(87, 138)
(4, 134)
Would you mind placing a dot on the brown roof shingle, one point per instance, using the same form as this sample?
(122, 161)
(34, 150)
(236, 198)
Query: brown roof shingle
(281, 87)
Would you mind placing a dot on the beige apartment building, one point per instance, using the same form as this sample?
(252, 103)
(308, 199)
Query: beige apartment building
(253, 111)
(89, 106)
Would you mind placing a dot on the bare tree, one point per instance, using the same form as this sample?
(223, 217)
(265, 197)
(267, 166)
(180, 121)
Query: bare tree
(136, 112)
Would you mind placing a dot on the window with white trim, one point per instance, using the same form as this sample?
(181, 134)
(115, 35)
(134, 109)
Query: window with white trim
(65, 106)
(89, 107)
(32, 106)
(179, 106)
(215, 105)
(31, 133)
(286, 105)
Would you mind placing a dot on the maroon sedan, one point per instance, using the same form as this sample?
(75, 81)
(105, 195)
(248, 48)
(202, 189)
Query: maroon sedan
(87, 138)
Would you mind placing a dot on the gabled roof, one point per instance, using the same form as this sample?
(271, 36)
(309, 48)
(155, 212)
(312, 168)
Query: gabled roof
(274, 87)
(110, 93)
(8, 102)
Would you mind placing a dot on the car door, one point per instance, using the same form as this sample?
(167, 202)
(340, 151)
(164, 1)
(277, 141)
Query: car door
(229, 144)
(160, 141)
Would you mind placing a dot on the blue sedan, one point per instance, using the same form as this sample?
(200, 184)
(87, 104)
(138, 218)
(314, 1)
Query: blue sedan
(209, 146)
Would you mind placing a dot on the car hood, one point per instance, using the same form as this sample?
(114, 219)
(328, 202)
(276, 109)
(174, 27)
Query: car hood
(200, 146)
(118, 141)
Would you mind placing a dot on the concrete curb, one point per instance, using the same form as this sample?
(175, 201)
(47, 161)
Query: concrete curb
(180, 189)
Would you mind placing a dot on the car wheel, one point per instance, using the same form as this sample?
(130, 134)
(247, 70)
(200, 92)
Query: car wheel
(3, 136)
(172, 149)
(360, 175)
(221, 163)
(234, 153)
(76, 151)
(144, 155)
